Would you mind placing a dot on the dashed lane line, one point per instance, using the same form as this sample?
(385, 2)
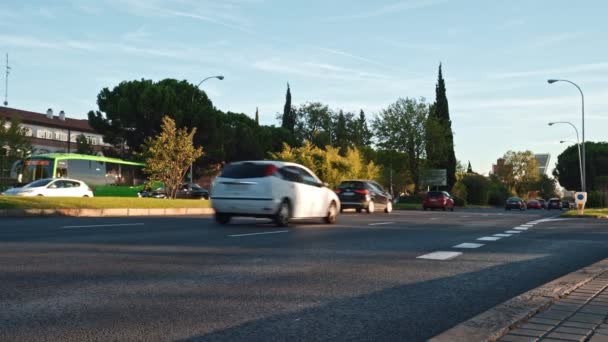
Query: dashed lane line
(102, 225)
(513, 231)
(440, 255)
(489, 238)
(502, 235)
(521, 228)
(261, 233)
(469, 245)
(380, 223)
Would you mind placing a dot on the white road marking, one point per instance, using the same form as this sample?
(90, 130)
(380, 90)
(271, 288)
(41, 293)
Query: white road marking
(521, 228)
(469, 245)
(440, 255)
(380, 223)
(103, 225)
(488, 238)
(502, 235)
(465, 216)
(527, 225)
(512, 231)
(262, 233)
(434, 218)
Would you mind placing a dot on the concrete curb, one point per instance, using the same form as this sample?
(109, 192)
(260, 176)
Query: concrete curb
(496, 322)
(108, 212)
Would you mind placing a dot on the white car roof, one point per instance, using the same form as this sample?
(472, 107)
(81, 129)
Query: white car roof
(54, 179)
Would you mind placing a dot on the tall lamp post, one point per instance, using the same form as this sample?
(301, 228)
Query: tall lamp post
(219, 77)
(582, 158)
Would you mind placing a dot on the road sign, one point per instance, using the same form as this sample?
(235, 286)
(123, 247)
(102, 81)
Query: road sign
(435, 177)
(580, 198)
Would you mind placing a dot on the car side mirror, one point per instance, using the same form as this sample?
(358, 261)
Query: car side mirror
(325, 184)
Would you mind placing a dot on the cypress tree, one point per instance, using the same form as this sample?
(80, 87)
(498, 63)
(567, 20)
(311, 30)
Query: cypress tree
(469, 169)
(441, 113)
(289, 120)
(257, 116)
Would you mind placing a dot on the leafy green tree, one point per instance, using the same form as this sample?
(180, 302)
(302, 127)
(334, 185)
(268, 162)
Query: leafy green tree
(169, 155)
(401, 127)
(240, 138)
(360, 132)
(83, 146)
(289, 117)
(497, 191)
(567, 170)
(546, 186)
(521, 171)
(14, 145)
(133, 110)
(341, 136)
(314, 123)
(459, 190)
(440, 146)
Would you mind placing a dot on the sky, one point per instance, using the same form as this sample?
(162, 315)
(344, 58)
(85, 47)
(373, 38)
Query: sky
(348, 54)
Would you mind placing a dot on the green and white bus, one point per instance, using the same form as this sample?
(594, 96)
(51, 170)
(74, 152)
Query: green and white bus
(106, 176)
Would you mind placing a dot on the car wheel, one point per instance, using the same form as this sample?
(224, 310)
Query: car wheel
(425, 208)
(332, 214)
(389, 207)
(222, 218)
(40, 195)
(281, 218)
(85, 196)
(371, 207)
(444, 208)
(358, 210)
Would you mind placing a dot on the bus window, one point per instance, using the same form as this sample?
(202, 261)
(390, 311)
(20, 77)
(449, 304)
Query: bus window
(34, 169)
(89, 171)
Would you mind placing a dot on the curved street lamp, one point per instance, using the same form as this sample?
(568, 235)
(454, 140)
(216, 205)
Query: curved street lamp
(580, 161)
(583, 165)
(219, 77)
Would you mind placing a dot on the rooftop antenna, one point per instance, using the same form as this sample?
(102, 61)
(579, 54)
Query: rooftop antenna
(8, 70)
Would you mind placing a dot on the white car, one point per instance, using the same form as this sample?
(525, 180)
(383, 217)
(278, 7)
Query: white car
(277, 190)
(52, 187)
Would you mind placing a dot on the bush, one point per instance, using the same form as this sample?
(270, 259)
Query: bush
(416, 199)
(477, 188)
(497, 194)
(459, 191)
(597, 199)
(459, 201)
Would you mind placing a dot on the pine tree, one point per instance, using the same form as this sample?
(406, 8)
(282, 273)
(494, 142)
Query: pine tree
(363, 136)
(257, 116)
(441, 155)
(289, 119)
(469, 169)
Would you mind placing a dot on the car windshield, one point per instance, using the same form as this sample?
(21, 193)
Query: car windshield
(351, 185)
(38, 183)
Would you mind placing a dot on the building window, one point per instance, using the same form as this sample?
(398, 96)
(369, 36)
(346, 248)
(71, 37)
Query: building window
(28, 131)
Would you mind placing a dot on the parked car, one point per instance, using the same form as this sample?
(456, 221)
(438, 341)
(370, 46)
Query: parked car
(364, 195)
(566, 204)
(534, 204)
(280, 191)
(515, 203)
(543, 203)
(185, 191)
(554, 203)
(438, 200)
(53, 187)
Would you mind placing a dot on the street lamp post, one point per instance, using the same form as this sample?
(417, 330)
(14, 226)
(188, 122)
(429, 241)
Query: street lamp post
(583, 164)
(219, 77)
(580, 160)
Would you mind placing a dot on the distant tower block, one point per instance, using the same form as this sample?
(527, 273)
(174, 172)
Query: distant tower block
(543, 162)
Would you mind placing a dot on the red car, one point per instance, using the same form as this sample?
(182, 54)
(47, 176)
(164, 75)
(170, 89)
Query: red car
(534, 204)
(438, 200)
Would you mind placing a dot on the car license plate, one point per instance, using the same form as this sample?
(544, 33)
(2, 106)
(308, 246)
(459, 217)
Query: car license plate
(348, 193)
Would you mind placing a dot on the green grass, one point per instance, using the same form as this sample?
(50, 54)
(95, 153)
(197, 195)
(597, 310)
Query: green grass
(587, 213)
(407, 206)
(17, 202)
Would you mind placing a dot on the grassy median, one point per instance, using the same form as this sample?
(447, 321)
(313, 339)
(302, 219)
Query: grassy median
(17, 202)
(598, 213)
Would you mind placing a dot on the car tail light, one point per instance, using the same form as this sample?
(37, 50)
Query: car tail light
(270, 170)
(338, 191)
(362, 192)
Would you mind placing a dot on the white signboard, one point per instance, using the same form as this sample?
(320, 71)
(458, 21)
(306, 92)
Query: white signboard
(580, 198)
(435, 177)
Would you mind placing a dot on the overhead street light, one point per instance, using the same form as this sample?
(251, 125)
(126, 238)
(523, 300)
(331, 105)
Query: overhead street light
(219, 77)
(582, 157)
(580, 161)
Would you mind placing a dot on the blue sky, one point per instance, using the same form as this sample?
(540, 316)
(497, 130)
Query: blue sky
(349, 54)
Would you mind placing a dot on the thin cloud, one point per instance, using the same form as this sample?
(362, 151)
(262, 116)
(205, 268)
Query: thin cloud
(315, 70)
(589, 67)
(396, 7)
(349, 55)
(26, 42)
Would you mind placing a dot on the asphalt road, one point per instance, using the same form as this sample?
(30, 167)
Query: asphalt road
(187, 279)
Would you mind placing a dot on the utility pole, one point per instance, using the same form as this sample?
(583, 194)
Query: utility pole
(8, 70)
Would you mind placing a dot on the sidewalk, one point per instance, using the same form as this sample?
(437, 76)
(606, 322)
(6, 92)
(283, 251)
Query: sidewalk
(580, 316)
